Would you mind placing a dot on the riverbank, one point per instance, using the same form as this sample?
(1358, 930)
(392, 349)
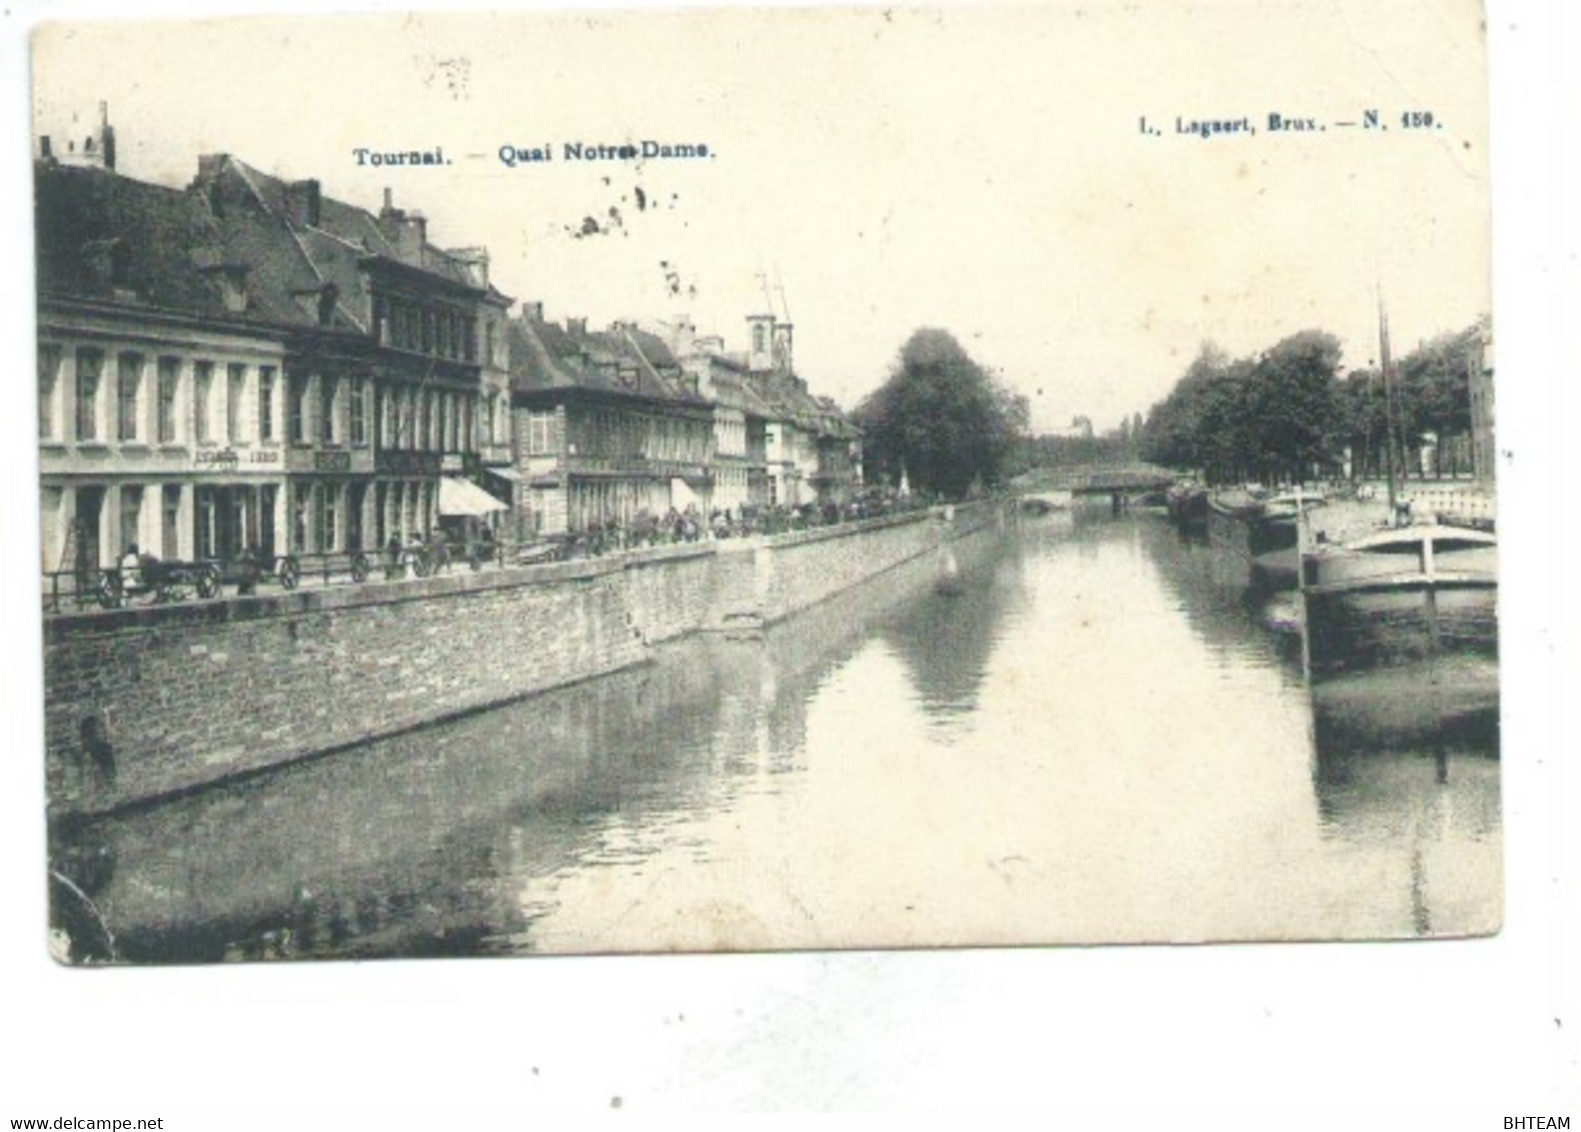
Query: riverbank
(145, 703)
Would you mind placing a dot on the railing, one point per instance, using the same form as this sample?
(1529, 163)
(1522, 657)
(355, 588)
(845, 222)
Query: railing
(157, 582)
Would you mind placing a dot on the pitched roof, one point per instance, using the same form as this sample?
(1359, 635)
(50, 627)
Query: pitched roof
(105, 236)
(299, 256)
(616, 362)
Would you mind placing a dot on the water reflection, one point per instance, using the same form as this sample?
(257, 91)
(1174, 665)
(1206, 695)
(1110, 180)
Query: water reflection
(1087, 734)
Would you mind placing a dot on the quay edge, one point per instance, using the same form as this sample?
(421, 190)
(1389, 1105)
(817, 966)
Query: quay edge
(146, 703)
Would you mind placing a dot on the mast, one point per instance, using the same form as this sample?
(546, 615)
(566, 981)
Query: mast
(1386, 367)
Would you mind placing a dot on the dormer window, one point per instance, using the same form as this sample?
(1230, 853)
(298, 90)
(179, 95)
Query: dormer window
(233, 287)
(328, 296)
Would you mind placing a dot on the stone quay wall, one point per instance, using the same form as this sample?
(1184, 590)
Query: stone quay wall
(145, 702)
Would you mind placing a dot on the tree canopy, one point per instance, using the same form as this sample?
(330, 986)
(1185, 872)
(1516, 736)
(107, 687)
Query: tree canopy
(1287, 412)
(942, 418)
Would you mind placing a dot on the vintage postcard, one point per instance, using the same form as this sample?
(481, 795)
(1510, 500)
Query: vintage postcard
(766, 479)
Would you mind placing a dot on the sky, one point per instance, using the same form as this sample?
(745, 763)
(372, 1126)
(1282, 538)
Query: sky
(874, 171)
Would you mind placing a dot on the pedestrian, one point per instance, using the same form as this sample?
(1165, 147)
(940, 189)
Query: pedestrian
(131, 569)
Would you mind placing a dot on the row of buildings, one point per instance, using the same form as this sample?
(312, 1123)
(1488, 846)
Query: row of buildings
(248, 363)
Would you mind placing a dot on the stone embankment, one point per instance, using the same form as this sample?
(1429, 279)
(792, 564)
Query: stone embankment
(146, 702)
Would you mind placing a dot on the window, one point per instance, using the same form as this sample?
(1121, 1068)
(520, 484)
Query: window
(452, 423)
(171, 525)
(48, 379)
(128, 391)
(425, 422)
(266, 404)
(540, 434)
(169, 380)
(358, 406)
(327, 515)
(299, 504)
(235, 390)
(203, 522)
(202, 384)
(131, 515)
(90, 367)
(328, 389)
(488, 419)
(298, 412)
(488, 342)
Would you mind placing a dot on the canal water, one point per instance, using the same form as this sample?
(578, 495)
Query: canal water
(1080, 730)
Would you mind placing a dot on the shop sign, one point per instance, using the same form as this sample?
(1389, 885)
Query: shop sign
(230, 460)
(400, 462)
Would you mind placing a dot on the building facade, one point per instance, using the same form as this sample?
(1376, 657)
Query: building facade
(160, 394)
(247, 364)
(609, 428)
(395, 343)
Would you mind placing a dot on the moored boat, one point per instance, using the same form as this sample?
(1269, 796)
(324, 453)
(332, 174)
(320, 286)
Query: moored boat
(1187, 504)
(1401, 594)
(1262, 531)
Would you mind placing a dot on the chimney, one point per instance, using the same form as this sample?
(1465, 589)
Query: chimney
(782, 348)
(106, 136)
(682, 336)
(533, 311)
(406, 231)
(576, 327)
(303, 202)
(44, 150)
(760, 341)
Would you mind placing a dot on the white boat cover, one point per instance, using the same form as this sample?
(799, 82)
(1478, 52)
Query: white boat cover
(462, 497)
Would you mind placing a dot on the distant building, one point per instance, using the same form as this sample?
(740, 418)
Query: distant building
(608, 425)
(780, 445)
(81, 145)
(1080, 428)
(740, 420)
(1479, 366)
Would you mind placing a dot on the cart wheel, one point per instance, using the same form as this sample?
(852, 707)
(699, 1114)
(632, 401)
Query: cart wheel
(359, 568)
(208, 582)
(289, 572)
(110, 591)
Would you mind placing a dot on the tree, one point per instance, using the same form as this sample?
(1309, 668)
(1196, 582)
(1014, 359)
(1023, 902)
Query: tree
(1433, 389)
(942, 418)
(1293, 404)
